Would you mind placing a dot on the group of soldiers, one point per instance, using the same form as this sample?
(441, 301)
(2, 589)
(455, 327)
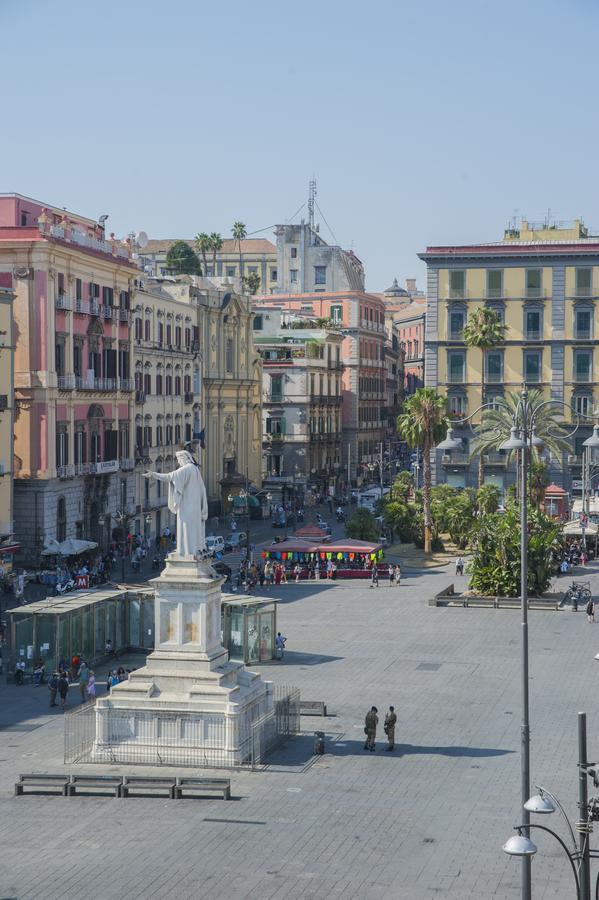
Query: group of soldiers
(370, 723)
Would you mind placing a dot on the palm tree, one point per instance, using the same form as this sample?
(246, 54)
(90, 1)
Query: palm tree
(202, 242)
(422, 424)
(496, 423)
(484, 329)
(216, 244)
(239, 232)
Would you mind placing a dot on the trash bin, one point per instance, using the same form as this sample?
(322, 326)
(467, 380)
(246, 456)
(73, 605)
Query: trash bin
(319, 742)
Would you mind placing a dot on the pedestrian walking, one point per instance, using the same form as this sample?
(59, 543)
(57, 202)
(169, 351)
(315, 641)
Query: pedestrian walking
(590, 611)
(91, 687)
(63, 689)
(459, 566)
(38, 672)
(389, 726)
(280, 642)
(53, 688)
(83, 681)
(317, 571)
(391, 572)
(297, 572)
(370, 723)
(397, 575)
(374, 578)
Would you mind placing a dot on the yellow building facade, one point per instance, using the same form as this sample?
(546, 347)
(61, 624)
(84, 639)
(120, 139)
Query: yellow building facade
(543, 283)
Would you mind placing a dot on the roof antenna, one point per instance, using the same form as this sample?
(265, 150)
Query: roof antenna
(311, 202)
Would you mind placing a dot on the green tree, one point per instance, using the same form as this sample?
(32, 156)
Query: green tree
(252, 282)
(484, 329)
(181, 260)
(461, 518)
(402, 486)
(495, 564)
(487, 499)
(496, 423)
(362, 526)
(401, 517)
(202, 242)
(216, 244)
(239, 232)
(423, 424)
(538, 480)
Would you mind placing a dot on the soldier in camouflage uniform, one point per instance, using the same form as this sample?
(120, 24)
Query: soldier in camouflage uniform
(390, 720)
(370, 723)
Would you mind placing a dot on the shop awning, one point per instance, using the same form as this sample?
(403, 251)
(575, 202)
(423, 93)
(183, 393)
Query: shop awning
(574, 528)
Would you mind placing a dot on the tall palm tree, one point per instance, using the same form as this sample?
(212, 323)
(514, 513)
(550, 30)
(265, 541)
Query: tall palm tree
(496, 423)
(216, 244)
(202, 242)
(423, 423)
(484, 329)
(239, 232)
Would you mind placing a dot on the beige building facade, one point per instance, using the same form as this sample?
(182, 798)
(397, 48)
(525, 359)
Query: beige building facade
(226, 385)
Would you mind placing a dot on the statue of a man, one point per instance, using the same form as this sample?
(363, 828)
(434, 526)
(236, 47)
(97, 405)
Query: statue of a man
(187, 498)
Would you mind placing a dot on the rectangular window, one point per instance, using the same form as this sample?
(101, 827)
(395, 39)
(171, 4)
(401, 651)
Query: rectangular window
(293, 275)
(456, 405)
(320, 274)
(533, 282)
(584, 280)
(532, 366)
(337, 313)
(252, 270)
(583, 365)
(294, 253)
(494, 366)
(582, 404)
(276, 388)
(457, 284)
(78, 289)
(229, 355)
(231, 270)
(494, 283)
(258, 323)
(456, 367)
(456, 324)
(273, 274)
(533, 324)
(499, 311)
(583, 324)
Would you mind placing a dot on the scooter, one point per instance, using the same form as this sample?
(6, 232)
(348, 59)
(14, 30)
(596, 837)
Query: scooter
(65, 587)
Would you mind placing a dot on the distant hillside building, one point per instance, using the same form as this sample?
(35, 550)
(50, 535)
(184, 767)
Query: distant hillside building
(306, 263)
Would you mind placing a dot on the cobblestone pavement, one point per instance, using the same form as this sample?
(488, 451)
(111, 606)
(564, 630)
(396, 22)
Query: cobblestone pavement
(426, 821)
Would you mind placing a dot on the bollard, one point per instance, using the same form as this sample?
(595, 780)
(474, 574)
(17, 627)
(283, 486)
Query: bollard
(319, 742)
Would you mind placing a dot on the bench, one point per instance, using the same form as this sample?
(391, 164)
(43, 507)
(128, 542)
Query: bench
(42, 781)
(147, 784)
(95, 782)
(313, 708)
(203, 785)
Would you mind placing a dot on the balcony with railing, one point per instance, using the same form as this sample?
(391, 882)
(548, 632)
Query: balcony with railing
(81, 468)
(495, 458)
(456, 293)
(65, 471)
(126, 464)
(533, 334)
(456, 459)
(61, 301)
(124, 315)
(533, 293)
(107, 312)
(94, 307)
(66, 382)
(126, 384)
(83, 239)
(104, 467)
(81, 306)
(495, 293)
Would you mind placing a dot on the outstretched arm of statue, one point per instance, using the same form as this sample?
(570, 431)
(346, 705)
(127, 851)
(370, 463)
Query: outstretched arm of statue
(159, 476)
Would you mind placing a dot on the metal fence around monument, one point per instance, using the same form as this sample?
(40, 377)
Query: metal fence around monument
(157, 738)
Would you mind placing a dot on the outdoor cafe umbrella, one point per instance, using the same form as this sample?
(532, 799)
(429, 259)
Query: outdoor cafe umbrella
(70, 547)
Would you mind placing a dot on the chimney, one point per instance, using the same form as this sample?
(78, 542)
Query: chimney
(411, 285)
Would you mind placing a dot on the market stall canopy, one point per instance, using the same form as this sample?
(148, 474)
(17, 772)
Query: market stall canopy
(593, 503)
(70, 547)
(573, 528)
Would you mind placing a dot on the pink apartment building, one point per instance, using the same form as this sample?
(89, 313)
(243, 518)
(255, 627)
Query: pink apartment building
(73, 383)
(361, 317)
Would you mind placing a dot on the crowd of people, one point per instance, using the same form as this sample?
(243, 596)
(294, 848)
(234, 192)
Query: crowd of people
(75, 671)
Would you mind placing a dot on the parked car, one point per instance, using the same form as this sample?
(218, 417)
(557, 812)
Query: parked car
(235, 540)
(215, 543)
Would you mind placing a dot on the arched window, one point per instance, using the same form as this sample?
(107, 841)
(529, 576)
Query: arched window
(177, 385)
(147, 329)
(147, 383)
(61, 520)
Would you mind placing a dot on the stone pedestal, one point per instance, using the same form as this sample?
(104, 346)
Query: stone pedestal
(189, 697)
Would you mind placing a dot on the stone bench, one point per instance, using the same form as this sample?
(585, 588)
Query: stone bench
(203, 785)
(89, 783)
(147, 784)
(42, 781)
(313, 708)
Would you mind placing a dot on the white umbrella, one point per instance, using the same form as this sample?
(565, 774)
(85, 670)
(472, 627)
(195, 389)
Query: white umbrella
(70, 547)
(576, 528)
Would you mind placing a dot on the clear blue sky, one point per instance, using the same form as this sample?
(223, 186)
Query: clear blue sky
(423, 122)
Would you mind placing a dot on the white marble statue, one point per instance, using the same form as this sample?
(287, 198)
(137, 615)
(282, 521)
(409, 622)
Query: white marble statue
(187, 498)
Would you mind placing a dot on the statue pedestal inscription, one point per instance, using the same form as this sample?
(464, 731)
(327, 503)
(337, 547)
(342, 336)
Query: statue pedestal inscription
(189, 696)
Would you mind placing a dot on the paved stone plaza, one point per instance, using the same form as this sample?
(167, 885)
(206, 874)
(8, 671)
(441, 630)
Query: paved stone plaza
(427, 821)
